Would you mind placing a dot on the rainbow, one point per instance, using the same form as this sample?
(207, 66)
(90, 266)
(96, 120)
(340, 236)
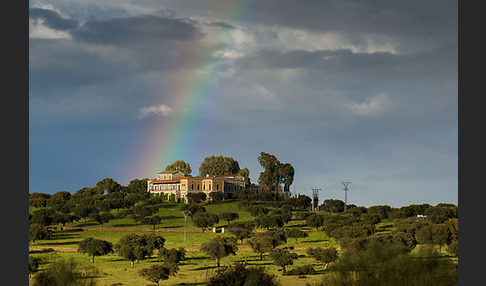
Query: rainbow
(193, 94)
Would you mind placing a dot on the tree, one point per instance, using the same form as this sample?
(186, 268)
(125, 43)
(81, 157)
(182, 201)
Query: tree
(333, 206)
(283, 258)
(315, 220)
(95, 247)
(229, 216)
(434, 234)
(136, 247)
(220, 247)
(66, 272)
(269, 220)
(43, 216)
(245, 173)
(296, 233)
(157, 272)
(324, 255)
(108, 185)
(34, 263)
(62, 218)
(205, 220)
(140, 212)
(196, 197)
(240, 275)
(38, 232)
(214, 166)
(180, 165)
(261, 244)
(241, 230)
(133, 198)
(275, 173)
(101, 218)
(84, 210)
(38, 200)
(216, 196)
(59, 201)
(137, 186)
(153, 220)
(193, 209)
(173, 255)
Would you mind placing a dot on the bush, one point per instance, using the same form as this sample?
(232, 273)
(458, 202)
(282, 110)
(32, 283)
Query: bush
(239, 275)
(302, 270)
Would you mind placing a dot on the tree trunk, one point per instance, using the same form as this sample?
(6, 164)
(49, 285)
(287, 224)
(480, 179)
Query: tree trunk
(261, 256)
(217, 261)
(325, 266)
(284, 270)
(92, 259)
(131, 264)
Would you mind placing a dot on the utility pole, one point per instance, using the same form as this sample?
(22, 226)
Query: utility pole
(346, 194)
(185, 213)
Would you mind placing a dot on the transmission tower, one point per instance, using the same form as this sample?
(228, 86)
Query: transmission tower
(315, 198)
(346, 194)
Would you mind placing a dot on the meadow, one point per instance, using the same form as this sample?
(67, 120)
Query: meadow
(197, 267)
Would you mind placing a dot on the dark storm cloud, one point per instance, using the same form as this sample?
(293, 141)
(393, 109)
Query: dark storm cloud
(131, 30)
(52, 19)
(129, 45)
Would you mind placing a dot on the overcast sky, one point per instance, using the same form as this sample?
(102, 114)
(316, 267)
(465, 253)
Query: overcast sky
(360, 91)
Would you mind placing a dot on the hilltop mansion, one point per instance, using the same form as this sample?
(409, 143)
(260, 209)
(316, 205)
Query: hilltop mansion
(176, 185)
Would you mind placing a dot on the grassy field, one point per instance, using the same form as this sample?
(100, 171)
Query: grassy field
(197, 266)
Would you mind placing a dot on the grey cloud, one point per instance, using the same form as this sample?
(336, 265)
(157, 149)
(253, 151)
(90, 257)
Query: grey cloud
(223, 25)
(137, 29)
(52, 19)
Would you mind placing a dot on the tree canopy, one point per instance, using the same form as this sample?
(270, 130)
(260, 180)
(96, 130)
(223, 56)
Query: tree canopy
(95, 247)
(220, 247)
(179, 165)
(219, 165)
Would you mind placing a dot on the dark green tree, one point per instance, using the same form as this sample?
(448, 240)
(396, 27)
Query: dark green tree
(180, 165)
(157, 272)
(137, 186)
(196, 197)
(140, 212)
(229, 216)
(43, 216)
(134, 247)
(172, 255)
(239, 275)
(34, 263)
(193, 208)
(220, 247)
(66, 272)
(95, 247)
(205, 220)
(152, 220)
(38, 200)
(38, 232)
(60, 201)
(283, 258)
(218, 165)
(261, 244)
(108, 185)
(241, 230)
(101, 218)
(324, 255)
(217, 196)
(296, 233)
(315, 220)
